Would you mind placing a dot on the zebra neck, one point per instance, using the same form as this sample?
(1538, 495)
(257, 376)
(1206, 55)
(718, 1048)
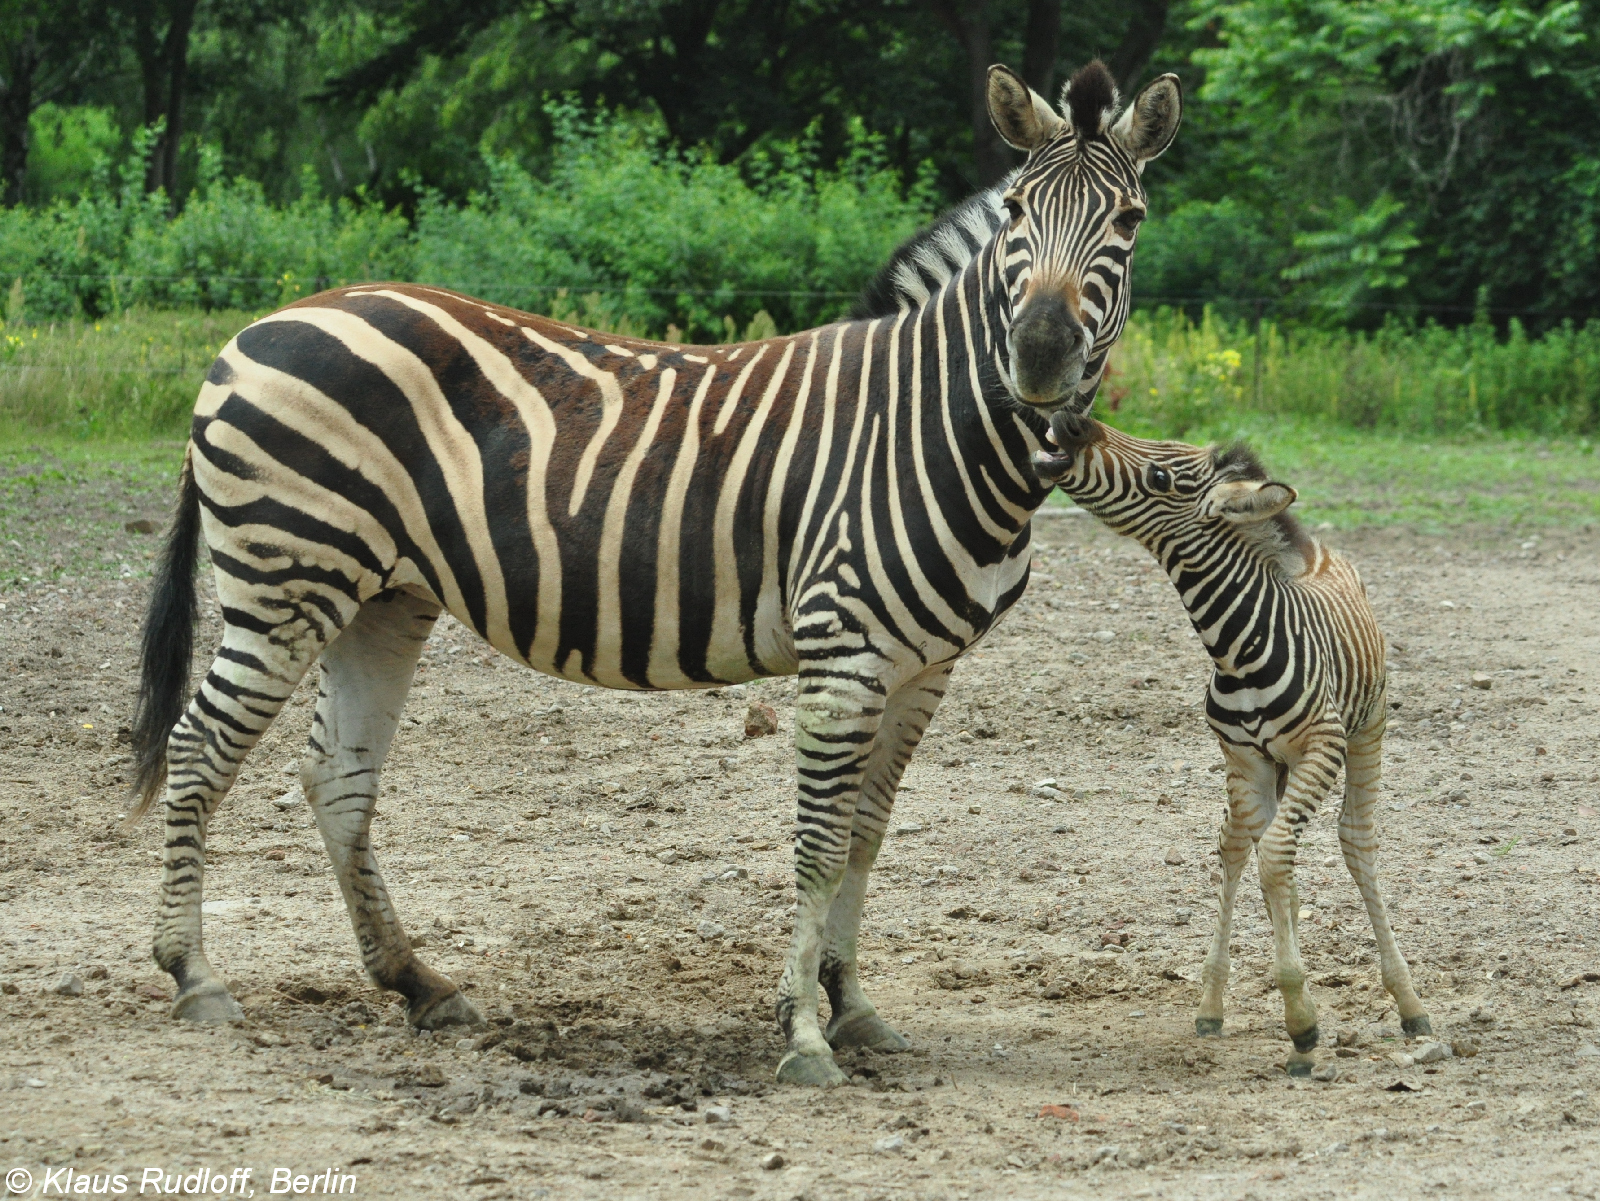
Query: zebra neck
(1227, 592)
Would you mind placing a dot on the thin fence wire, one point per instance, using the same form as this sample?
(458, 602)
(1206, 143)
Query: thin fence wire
(1260, 305)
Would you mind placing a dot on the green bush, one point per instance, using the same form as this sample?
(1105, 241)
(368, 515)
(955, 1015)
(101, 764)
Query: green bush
(650, 239)
(1172, 374)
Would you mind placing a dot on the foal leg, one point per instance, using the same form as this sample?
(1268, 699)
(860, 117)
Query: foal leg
(855, 1021)
(366, 674)
(836, 722)
(1309, 779)
(254, 673)
(1252, 798)
(1358, 836)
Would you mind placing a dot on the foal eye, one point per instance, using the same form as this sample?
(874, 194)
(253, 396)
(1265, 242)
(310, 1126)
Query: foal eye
(1013, 210)
(1158, 477)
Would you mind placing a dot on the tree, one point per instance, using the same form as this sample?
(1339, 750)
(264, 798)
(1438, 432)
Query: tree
(46, 50)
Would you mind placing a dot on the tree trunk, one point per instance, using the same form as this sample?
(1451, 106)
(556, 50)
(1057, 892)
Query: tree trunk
(1145, 28)
(968, 20)
(164, 73)
(16, 106)
(1042, 45)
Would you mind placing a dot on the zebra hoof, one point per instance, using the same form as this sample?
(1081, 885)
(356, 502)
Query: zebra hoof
(1300, 1064)
(870, 1031)
(1416, 1027)
(812, 1071)
(452, 1009)
(1208, 1027)
(208, 1004)
(1305, 1040)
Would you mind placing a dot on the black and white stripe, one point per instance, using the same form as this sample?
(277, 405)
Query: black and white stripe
(849, 504)
(1298, 690)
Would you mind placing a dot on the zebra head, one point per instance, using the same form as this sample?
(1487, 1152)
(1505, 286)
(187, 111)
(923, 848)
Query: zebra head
(1073, 213)
(1165, 494)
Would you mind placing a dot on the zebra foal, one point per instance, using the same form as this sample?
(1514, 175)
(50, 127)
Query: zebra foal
(850, 505)
(1298, 688)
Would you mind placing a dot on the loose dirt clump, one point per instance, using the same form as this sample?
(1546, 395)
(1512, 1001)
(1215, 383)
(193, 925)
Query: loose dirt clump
(606, 875)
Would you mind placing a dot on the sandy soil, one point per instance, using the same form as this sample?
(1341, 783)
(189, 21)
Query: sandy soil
(607, 875)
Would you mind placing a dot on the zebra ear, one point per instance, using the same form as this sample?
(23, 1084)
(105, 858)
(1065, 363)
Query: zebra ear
(1021, 116)
(1151, 122)
(1245, 502)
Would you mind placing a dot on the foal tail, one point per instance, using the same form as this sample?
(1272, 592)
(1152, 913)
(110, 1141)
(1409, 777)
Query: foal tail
(167, 645)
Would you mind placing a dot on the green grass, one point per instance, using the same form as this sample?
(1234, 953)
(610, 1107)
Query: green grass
(131, 376)
(1353, 478)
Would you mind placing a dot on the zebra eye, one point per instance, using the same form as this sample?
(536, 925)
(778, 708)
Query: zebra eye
(1127, 223)
(1158, 477)
(1013, 210)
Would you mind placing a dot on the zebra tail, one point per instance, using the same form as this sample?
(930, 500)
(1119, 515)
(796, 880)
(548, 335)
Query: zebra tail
(168, 643)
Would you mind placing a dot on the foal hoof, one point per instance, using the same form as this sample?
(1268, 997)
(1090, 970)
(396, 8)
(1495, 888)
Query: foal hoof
(813, 1071)
(1300, 1064)
(870, 1031)
(1416, 1027)
(452, 1009)
(207, 1003)
(1208, 1027)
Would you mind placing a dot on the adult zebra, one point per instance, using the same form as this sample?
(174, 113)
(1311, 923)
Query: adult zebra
(850, 503)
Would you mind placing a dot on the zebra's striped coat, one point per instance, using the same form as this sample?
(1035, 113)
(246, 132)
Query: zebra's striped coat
(850, 504)
(1298, 687)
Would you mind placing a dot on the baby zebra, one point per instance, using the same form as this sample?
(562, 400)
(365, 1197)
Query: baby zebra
(1298, 687)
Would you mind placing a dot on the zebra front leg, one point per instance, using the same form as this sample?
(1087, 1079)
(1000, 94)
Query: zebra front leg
(1251, 801)
(855, 1021)
(1310, 777)
(836, 719)
(366, 674)
(242, 693)
(1358, 837)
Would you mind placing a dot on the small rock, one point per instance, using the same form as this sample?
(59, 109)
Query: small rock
(98, 972)
(1401, 1060)
(1432, 1053)
(151, 992)
(1484, 1016)
(668, 856)
(760, 720)
(709, 930)
(1464, 1048)
(1181, 917)
(718, 1115)
(772, 1162)
(908, 828)
(1045, 792)
(70, 985)
(1103, 636)
(1588, 1051)
(9, 989)
(774, 880)
(711, 1144)
(290, 799)
(427, 1075)
(465, 1044)
(1327, 1073)
(142, 526)
(1174, 858)
(988, 915)
(1480, 680)
(891, 1145)
(1480, 858)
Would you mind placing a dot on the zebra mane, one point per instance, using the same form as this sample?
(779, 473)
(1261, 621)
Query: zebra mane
(1280, 541)
(930, 258)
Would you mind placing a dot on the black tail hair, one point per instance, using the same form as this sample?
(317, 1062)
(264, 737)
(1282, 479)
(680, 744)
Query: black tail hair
(168, 644)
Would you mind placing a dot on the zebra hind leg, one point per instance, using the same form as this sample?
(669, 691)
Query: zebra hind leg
(1358, 837)
(1251, 803)
(245, 689)
(855, 1021)
(366, 674)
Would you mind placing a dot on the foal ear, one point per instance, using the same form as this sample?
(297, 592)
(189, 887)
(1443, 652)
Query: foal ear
(1245, 502)
(1151, 122)
(1021, 116)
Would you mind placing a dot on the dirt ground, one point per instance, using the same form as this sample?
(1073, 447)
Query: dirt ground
(607, 874)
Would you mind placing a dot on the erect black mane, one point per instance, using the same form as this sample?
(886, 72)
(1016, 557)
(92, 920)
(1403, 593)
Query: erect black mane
(1089, 98)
